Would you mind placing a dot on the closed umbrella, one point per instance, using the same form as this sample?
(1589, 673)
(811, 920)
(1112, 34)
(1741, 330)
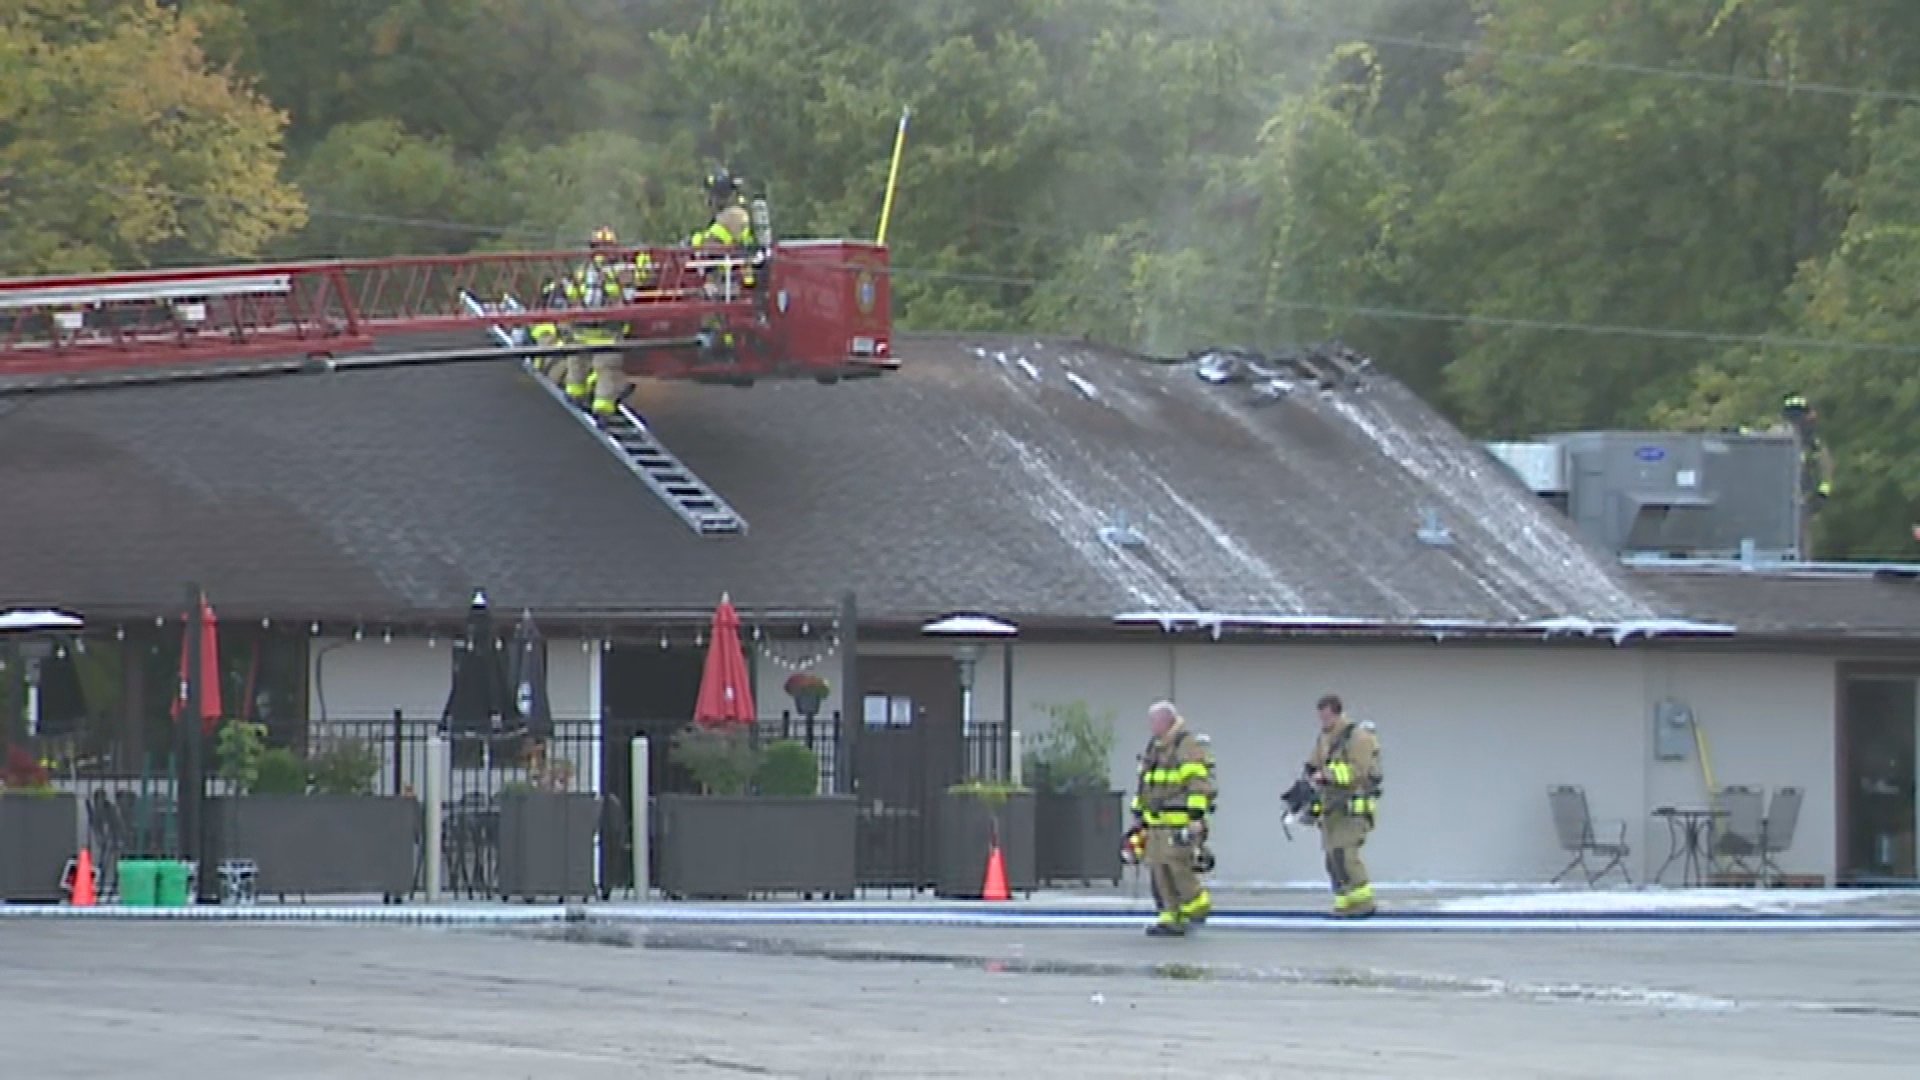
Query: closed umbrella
(479, 703)
(726, 694)
(527, 674)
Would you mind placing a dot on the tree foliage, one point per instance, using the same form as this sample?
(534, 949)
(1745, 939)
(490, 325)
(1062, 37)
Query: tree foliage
(1545, 214)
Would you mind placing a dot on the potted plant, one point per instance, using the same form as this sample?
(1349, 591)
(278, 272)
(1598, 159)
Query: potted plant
(760, 824)
(39, 830)
(1079, 815)
(311, 826)
(974, 818)
(547, 831)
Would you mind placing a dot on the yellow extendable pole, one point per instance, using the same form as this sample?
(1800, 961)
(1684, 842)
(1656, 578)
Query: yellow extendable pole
(893, 175)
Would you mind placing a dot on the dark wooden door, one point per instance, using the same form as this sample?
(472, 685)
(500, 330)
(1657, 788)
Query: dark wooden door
(907, 752)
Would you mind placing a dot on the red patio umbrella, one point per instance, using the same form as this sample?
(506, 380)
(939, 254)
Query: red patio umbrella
(726, 694)
(209, 669)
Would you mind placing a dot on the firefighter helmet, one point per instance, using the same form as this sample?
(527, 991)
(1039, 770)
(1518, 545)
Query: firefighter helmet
(603, 237)
(722, 186)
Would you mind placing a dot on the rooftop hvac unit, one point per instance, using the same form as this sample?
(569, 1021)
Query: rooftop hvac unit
(1682, 494)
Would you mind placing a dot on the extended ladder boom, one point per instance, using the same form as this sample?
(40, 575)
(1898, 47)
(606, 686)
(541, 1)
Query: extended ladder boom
(816, 309)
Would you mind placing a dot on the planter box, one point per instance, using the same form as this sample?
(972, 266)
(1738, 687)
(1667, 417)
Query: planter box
(38, 834)
(546, 844)
(963, 836)
(732, 847)
(1078, 835)
(319, 845)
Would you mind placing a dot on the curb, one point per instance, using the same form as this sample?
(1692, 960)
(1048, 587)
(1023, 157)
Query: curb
(974, 916)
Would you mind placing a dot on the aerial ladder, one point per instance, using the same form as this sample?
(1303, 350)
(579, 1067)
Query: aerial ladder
(816, 309)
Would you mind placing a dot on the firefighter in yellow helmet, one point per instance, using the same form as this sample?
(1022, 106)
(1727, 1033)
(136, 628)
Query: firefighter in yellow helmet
(596, 284)
(1176, 788)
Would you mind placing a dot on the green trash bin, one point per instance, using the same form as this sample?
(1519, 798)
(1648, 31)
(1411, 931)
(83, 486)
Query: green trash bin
(170, 889)
(139, 882)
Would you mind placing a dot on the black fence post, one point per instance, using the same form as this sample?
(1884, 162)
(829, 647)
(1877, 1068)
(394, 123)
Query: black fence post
(852, 710)
(399, 745)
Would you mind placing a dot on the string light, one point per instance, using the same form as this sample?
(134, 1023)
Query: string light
(359, 633)
(119, 633)
(388, 636)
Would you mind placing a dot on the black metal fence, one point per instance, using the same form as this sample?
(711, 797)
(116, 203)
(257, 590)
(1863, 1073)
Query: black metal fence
(389, 755)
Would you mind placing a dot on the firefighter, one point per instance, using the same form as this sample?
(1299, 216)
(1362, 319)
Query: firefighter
(730, 228)
(1170, 802)
(553, 295)
(1345, 772)
(593, 380)
(1816, 463)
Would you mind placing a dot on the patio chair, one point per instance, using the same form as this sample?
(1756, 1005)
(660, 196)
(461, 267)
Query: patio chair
(1574, 823)
(1737, 836)
(1776, 830)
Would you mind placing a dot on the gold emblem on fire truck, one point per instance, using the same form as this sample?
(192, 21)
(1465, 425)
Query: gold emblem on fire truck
(865, 292)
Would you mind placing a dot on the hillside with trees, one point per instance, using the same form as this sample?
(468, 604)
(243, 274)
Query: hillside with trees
(1543, 214)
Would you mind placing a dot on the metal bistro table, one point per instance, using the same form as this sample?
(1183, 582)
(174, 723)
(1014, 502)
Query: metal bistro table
(1687, 830)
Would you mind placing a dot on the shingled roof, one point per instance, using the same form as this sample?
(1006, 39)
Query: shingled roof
(980, 477)
(1782, 602)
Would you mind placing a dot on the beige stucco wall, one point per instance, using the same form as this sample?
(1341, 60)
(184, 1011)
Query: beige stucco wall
(1473, 738)
(1768, 722)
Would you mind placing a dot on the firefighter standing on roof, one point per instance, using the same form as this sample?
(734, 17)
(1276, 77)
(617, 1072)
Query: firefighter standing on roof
(1345, 771)
(1170, 804)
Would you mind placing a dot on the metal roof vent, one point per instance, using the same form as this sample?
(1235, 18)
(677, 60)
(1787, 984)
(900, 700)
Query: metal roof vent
(1431, 532)
(1121, 534)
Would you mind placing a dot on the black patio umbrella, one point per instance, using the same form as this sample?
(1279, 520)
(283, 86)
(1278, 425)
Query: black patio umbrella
(527, 675)
(480, 703)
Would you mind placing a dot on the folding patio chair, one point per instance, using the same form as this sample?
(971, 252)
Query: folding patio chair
(1777, 829)
(1573, 821)
(1737, 835)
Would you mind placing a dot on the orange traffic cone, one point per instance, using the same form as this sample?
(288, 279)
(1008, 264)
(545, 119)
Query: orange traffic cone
(83, 879)
(996, 886)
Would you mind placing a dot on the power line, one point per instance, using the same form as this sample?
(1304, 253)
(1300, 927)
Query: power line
(1750, 82)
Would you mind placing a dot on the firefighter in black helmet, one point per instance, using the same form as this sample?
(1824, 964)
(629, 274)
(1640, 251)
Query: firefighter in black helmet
(723, 190)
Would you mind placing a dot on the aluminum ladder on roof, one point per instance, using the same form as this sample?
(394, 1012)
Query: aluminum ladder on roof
(629, 439)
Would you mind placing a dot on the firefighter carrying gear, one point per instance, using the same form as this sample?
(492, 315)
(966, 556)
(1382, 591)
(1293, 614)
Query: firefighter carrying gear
(1171, 801)
(1346, 768)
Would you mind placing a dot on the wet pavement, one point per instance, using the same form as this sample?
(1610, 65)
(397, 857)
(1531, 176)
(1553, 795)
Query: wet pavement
(591, 999)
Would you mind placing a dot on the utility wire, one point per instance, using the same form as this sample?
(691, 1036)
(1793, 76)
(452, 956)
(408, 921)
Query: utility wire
(1750, 82)
(1369, 311)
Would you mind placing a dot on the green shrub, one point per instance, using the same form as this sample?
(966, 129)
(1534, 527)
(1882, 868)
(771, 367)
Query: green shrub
(345, 767)
(788, 769)
(723, 762)
(238, 750)
(279, 771)
(1075, 753)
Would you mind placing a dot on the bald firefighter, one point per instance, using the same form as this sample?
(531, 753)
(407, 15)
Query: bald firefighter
(1345, 772)
(1170, 804)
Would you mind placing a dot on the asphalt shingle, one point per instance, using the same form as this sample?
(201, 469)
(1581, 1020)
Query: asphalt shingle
(978, 477)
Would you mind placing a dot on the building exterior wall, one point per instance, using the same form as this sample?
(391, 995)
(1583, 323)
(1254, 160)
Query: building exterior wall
(1473, 736)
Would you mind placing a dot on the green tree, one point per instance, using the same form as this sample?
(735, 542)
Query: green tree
(119, 146)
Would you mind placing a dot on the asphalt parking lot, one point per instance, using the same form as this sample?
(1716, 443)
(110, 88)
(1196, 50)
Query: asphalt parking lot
(92, 1000)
